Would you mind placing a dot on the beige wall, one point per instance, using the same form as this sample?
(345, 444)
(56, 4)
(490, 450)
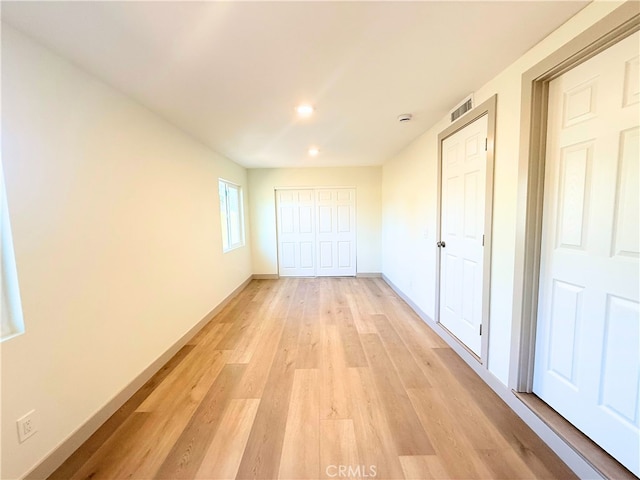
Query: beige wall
(116, 225)
(409, 198)
(263, 182)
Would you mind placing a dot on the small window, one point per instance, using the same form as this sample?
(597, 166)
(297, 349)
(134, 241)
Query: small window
(231, 215)
(11, 323)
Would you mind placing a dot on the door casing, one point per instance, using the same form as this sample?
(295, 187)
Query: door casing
(486, 108)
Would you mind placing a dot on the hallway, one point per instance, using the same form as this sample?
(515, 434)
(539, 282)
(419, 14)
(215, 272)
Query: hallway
(315, 378)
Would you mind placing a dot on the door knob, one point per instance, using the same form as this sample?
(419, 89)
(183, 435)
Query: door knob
(441, 244)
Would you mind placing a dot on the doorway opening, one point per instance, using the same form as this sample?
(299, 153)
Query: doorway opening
(539, 203)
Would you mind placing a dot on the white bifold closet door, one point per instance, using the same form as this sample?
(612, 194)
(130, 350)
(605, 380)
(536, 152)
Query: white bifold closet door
(296, 232)
(316, 232)
(336, 232)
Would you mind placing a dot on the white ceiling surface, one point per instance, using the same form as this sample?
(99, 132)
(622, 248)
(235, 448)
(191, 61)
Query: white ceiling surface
(231, 73)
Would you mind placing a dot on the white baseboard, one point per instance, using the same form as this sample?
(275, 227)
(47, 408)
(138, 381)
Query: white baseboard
(65, 449)
(368, 275)
(566, 453)
(275, 276)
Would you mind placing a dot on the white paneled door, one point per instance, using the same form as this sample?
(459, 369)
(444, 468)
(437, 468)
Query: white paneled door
(336, 232)
(316, 232)
(296, 232)
(464, 167)
(587, 359)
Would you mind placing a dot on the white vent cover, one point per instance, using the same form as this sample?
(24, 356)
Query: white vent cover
(463, 107)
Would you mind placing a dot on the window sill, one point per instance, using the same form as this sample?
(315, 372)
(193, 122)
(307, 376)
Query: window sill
(231, 249)
(10, 336)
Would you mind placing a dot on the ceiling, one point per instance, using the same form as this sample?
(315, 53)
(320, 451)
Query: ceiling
(231, 73)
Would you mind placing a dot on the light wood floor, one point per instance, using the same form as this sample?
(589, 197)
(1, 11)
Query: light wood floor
(309, 379)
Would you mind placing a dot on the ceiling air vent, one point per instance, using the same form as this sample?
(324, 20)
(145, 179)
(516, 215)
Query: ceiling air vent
(462, 108)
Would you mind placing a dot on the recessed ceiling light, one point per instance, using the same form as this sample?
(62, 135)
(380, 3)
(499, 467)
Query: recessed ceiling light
(304, 110)
(314, 151)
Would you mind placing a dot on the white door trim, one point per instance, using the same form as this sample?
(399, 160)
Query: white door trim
(487, 108)
(619, 24)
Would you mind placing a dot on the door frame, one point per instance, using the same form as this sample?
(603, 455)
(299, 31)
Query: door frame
(620, 23)
(488, 108)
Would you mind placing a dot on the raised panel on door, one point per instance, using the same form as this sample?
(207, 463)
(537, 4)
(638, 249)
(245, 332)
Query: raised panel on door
(462, 228)
(472, 189)
(286, 219)
(325, 255)
(454, 202)
(580, 103)
(572, 200)
(470, 294)
(305, 213)
(295, 219)
(620, 360)
(626, 234)
(345, 257)
(287, 255)
(564, 326)
(306, 255)
(452, 288)
(588, 340)
(325, 219)
(343, 218)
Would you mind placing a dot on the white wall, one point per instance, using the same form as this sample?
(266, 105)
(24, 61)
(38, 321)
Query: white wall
(409, 198)
(116, 225)
(263, 182)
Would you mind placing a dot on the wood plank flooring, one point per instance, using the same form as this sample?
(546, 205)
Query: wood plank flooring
(314, 379)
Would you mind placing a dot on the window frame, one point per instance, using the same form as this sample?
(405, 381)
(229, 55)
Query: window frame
(12, 321)
(227, 214)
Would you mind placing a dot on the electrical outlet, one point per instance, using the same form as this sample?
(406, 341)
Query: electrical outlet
(26, 426)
